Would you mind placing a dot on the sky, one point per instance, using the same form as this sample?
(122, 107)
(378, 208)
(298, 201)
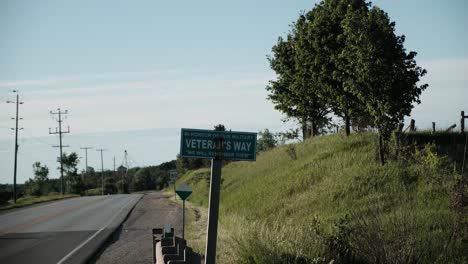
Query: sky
(132, 73)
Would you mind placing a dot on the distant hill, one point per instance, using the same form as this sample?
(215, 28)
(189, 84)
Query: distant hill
(329, 199)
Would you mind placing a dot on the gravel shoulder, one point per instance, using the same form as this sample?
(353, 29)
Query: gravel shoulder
(132, 243)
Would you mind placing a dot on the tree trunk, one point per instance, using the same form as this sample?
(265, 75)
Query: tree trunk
(381, 149)
(347, 125)
(305, 132)
(314, 128)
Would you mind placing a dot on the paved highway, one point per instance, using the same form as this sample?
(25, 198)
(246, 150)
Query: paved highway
(66, 231)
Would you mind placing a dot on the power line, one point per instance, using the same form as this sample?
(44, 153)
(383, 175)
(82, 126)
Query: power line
(36, 139)
(60, 132)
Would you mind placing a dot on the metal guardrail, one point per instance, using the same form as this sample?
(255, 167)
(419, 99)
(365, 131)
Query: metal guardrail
(170, 249)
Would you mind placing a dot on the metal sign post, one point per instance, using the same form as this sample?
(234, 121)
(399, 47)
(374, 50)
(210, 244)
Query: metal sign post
(184, 191)
(217, 146)
(212, 232)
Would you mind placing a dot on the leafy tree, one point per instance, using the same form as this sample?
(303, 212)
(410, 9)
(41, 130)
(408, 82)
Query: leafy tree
(39, 185)
(91, 179)
(266, 140)
(143, 180)
(40, 172)
(185, 164)
(110, 186)
(169, 165)
(380, 72)
(220, 127)
(325, 40)
(295, 92)
(73, 181)
(70, 162)
(122, 186)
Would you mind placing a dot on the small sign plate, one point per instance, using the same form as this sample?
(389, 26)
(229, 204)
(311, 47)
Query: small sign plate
(184, 191)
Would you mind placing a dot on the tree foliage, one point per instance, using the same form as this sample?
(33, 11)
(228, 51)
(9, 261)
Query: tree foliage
(295, 92)
(344, 56)
(266, 140)
(39, 184)
(90, 183)
(70, 162)
(384, 76)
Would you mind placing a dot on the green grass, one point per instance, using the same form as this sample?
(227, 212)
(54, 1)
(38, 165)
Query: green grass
(329, 199)
(29, 200)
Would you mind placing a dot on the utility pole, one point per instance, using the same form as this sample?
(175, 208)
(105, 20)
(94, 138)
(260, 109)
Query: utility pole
(16, 141)
(86, 157)
(102, 170)
(124, 177)
(115, 178)
(60, 132)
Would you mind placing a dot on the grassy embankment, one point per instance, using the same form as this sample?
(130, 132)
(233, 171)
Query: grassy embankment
(29, 200)
(329, 199)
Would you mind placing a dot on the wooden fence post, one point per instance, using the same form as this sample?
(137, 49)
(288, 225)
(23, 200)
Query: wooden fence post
(412, 125)
(397, 135)
(462, 121)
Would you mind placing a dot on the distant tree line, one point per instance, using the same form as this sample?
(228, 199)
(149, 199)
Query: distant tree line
(89, 182)
(344, 58)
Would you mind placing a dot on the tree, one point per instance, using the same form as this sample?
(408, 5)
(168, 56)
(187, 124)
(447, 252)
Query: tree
(75, 184)
(295, 92)
(185, 164)
(380, 72)
(70, 163)
(110, 186)
(39, 185)
(219, 127)
(266, 140)
(325, 40)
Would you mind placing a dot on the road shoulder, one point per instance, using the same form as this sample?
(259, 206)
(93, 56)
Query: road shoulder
(132, 243)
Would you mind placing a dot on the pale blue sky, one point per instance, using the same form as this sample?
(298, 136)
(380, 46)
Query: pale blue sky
(156, 66)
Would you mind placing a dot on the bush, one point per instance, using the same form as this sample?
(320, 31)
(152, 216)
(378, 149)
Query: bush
(92, 192)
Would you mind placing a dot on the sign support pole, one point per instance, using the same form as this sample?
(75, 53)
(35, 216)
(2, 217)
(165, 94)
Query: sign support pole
(184, 192)
(183, 219)
(213, 211)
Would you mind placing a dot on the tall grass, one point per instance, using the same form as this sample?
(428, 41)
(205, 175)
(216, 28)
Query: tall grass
(328, 199)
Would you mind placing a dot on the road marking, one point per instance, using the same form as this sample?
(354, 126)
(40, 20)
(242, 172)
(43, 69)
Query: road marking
(44, 218)
(94, 235)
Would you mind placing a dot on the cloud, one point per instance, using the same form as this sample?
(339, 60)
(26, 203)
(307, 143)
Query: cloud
(116, 102)
(453, 69)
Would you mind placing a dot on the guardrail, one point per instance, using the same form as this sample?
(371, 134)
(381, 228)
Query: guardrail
(170, 249)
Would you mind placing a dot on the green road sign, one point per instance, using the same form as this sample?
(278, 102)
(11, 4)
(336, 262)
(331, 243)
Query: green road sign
(184, 191)
(227, 145)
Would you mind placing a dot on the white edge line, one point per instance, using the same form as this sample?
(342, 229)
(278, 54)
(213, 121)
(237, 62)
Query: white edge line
(94, 235)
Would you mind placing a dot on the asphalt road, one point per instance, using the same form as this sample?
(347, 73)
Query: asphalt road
(66, 231)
